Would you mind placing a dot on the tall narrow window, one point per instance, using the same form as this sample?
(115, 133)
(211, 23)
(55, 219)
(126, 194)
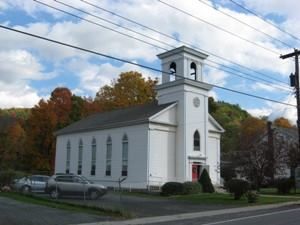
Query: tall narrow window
(196, 141)
(80, 147)
(68, 157)
(108, 156)
(125, 155)
(193, 71)
(172, 71)
(94, 152)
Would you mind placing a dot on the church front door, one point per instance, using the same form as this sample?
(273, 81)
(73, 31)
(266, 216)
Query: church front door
(195, 172)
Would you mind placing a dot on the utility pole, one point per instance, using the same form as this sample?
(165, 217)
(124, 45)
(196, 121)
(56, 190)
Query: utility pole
(294, 80)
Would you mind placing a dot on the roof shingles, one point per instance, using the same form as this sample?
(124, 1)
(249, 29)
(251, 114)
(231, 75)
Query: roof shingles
(116, 118)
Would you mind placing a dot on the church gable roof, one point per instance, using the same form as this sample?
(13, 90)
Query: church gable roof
(116, 118)
(214, 125)
(166, 116)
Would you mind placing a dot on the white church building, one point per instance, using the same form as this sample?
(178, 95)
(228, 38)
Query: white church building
(171, 139)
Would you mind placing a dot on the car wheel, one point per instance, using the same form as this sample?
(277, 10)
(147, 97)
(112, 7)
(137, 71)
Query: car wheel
(94, 194)
(54, 193)
(26, 189)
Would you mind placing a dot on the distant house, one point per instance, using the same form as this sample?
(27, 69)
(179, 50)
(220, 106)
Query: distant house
(279, 147)
(172, 139)
(285, 142)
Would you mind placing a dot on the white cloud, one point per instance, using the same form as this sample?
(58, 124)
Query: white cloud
(18, 68)
(161, 18)
(19, 65)
(17, 95)
(260, 112)
(214, 76)
(93, 77)
(213, 94)
(264, 87)
(275, 110)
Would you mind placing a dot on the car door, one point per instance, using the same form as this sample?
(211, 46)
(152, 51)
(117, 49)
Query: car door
(37, 184)
(79, 185)
(65, 184)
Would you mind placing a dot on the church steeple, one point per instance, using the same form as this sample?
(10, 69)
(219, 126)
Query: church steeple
(182, 62)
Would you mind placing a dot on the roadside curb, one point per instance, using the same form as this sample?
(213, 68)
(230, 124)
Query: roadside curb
(161, 219)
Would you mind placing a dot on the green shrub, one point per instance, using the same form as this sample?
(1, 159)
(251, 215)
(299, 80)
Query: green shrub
(284, 185)
(7, 176)
(191, 188)
(237, 187)
(205, 182)
(172, 188)
(252, 196)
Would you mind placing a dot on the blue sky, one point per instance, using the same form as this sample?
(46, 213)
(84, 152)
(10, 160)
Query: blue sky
(30, 69)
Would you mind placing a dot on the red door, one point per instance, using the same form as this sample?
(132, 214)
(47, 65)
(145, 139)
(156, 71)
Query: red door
(195, 172)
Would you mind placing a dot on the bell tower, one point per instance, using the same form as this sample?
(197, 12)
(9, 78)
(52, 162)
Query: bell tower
(182, 62)
(187, 89)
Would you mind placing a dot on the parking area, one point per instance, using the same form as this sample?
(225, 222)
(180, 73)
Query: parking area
(140, 206)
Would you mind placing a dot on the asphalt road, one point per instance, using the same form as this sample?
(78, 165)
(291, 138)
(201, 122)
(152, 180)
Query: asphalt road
(281, 216)
(18, 213)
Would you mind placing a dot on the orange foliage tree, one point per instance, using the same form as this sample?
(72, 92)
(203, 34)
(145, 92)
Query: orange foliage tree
(282, 122)
(128, 90)
(12, 147)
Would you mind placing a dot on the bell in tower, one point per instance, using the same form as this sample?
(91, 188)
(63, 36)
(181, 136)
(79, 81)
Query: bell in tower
(182, 62)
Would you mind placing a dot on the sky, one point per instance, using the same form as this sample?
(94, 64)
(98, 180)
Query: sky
(240, 45)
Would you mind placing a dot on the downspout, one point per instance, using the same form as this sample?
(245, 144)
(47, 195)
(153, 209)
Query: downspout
(148, 157)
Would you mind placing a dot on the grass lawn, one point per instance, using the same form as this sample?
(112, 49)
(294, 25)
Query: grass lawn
(227, 199)
(273, 191)
(31, 199)
(219, 199)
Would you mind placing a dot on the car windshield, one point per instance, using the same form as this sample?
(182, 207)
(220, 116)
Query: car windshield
(85, 179)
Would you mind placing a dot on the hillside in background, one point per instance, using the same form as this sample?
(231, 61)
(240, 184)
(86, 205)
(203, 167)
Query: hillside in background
(228, 115)
(17, 113)
(27, 142)
(230, 118)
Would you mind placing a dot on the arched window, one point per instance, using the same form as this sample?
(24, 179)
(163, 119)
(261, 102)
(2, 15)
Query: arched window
(94, 157)
(68, 158)
(80, 149)
(125, 155)
(108, 156)
(193, 71)
(172, 71)
(196, 141)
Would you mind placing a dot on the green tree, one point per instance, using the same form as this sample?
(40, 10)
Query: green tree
(205, 182)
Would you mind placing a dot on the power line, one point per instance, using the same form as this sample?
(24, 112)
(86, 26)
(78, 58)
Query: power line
(105, 20)
(263, 19)
(238, 75)
(219, 28)
(98, 24)
(231, 68)
(136, 64)
(181, 41)
(244, 23)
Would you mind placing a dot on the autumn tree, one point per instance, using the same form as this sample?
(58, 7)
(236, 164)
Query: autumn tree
(251, 129)
(61, 104)
(12, 146)
(128, 90)
(45, 118)
(282, 122)
(40, 140)
(251, 157)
